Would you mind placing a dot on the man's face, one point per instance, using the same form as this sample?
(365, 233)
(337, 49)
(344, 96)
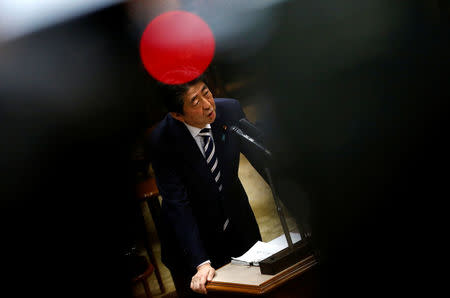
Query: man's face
(199, 107)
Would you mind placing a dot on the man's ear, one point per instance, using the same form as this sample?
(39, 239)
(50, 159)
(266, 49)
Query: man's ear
(177, 116)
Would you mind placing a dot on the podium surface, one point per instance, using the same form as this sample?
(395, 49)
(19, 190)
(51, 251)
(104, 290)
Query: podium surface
(239, 279)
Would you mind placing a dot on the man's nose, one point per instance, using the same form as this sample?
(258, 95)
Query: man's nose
(206, 104)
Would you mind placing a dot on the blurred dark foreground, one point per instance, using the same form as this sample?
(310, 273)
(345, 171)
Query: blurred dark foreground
(355, 110)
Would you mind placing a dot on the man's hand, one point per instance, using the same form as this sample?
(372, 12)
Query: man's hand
(204, 273)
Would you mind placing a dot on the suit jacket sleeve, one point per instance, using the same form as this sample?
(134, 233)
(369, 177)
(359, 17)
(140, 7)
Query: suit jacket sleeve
(177, 208)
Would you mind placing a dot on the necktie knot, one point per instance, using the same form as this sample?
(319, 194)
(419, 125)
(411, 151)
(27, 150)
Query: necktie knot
(205, 132)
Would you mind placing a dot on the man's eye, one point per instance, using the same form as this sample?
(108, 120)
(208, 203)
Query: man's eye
(195, 102)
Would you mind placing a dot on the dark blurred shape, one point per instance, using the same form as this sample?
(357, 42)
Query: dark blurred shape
(74, 98)
(355, 109)
(358, 101)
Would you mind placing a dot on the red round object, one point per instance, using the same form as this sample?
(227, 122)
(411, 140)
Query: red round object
(177, 47)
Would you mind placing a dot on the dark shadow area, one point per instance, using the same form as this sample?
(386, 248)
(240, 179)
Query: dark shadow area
(356, 112)
(74, 98)
(355, 104)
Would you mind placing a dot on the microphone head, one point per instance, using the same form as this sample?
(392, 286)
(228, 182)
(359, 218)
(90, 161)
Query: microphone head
(235, 129)
(250, 128)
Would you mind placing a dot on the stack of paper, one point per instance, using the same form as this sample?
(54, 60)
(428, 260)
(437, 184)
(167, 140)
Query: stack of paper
(262, 250)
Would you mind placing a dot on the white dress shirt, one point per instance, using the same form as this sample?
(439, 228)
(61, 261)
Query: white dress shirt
(198, 139)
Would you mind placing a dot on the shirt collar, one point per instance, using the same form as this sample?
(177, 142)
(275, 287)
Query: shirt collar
(195, 130)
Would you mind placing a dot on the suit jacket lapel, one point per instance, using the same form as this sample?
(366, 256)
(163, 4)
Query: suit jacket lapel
(186, 146)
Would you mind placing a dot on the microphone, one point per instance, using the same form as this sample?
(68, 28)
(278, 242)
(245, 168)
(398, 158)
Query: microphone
(250, 128)
(249, 139)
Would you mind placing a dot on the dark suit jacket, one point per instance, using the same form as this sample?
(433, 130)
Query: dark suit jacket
(193, 210)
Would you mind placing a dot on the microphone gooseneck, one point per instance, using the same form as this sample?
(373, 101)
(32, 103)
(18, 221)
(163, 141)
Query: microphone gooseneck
(249, 139)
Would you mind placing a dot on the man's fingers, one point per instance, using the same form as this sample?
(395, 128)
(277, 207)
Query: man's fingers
(203, 279)
(211, 274)
(202, 283)
(195, 286)
(199, 288)
(202, 288)
(198, 284)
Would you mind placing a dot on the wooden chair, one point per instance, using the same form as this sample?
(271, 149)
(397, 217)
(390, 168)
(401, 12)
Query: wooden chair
(143, 278)
(147, 192)
(138, 268)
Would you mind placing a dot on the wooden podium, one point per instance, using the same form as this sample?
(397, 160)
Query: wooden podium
(298, 280)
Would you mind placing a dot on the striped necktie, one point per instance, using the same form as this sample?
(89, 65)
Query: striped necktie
(210, 155)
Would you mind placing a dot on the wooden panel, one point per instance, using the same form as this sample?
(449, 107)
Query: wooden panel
(249, 280)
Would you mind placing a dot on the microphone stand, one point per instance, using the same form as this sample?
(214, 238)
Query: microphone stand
(294, 252)
(279, 209)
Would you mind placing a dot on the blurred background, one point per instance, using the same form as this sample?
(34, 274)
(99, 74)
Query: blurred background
(352, 97)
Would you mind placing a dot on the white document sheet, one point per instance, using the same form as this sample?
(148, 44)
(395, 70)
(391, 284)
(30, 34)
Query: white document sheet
(262, 250)
(281, 241)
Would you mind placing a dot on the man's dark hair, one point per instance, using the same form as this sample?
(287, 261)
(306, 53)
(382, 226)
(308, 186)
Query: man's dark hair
(172, 95)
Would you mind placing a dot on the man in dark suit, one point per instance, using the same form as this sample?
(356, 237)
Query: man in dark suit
(206, 217)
